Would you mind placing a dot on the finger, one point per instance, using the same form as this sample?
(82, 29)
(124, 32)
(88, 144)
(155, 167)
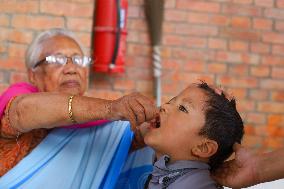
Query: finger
(138, 111)
(149, 107)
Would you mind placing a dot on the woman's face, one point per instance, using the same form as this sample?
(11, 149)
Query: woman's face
(69, 78)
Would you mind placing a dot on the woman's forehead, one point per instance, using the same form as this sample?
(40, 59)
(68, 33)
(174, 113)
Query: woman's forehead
(60, 44)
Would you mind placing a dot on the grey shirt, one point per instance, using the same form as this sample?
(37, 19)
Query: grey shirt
(181, 175)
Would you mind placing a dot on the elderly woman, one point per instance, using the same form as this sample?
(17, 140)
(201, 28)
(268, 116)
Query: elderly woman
(57, 70)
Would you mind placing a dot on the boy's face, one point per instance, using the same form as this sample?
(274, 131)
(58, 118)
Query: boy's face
(180, 122)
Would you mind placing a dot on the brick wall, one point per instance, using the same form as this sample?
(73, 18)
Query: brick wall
(238, 44)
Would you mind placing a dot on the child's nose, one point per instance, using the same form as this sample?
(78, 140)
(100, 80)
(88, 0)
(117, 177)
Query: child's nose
(162, 109)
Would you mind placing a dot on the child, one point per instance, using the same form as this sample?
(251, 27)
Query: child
(193, 135)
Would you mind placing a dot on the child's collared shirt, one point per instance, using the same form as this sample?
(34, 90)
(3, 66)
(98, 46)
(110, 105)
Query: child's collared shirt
(181, 175)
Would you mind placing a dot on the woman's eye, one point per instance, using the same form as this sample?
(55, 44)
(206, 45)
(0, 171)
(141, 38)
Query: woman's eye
(182, 108)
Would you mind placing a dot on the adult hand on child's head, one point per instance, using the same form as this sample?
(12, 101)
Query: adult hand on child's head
(135, 108)
(240, 172)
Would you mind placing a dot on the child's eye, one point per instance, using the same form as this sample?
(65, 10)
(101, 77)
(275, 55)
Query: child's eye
(182, 108)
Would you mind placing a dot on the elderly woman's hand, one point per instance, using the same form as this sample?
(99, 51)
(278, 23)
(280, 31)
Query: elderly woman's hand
(134, 107)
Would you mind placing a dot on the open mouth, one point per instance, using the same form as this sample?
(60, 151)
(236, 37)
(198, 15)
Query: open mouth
(158, 122)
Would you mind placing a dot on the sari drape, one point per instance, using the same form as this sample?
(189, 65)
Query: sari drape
(85, 158)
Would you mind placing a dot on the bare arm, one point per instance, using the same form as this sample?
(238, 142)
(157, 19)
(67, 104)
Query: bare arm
(48, 110)
(271, 166)
(248, 169)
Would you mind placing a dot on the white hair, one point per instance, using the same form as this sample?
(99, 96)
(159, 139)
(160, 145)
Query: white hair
(35, 48)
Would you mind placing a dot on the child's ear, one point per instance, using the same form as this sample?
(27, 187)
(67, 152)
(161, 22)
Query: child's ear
(205, 149)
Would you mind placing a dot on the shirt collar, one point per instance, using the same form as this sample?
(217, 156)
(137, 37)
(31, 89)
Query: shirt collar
(162, 166)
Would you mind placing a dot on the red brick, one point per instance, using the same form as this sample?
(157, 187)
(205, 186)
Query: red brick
(127, 85)
(238, 93)
(136, 74)
(270, 107)
(166, 52)
(171, 76)
(3, 87)
(279, 3)
(258, 94)
(256, 118)
(271, 84)
(196, 5)
(219, 20)
(196, 42)
(195, 66)
(170, 64)
(140, 25)
(279, 25)
(261, 130)
(238, 45)
(244, 2)
(273, 143)
(241, 22)
(217, 43)
(4, 33)
(66, 8)
(4, 20)
(274, 13)
(100, 83)
(277, 95)
(174, 40)
(14, 6)
(245, 105)
(20, 36)
(217, 68)
(169, 4)
(201, 18)
(17, 50)
(276, 119)
(13, 63)
(37, 22)
(135, 12)
(83, 1)
(170, 27)
(245, 82)
(249, 130)
(170, 88)
(231, 57)
(3, 47)
(111, 95)
(188, 78)
(18, 77)
(244, 10)
(277, 73)
(84, 38)
(175, 15)
(260, 71)
(252, 141)
(271, 37)
(260, 47)
(238, 70)
(262, 24)
(240, 34)
(249, 58)
(138, 49)
(145, 86)
(264, 3)
(272, 60)
(80, 24)
(198, 30)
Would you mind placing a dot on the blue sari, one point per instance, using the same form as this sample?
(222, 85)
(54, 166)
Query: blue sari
(95, 158)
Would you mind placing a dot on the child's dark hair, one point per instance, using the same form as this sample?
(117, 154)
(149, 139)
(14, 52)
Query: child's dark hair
(223, 124)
